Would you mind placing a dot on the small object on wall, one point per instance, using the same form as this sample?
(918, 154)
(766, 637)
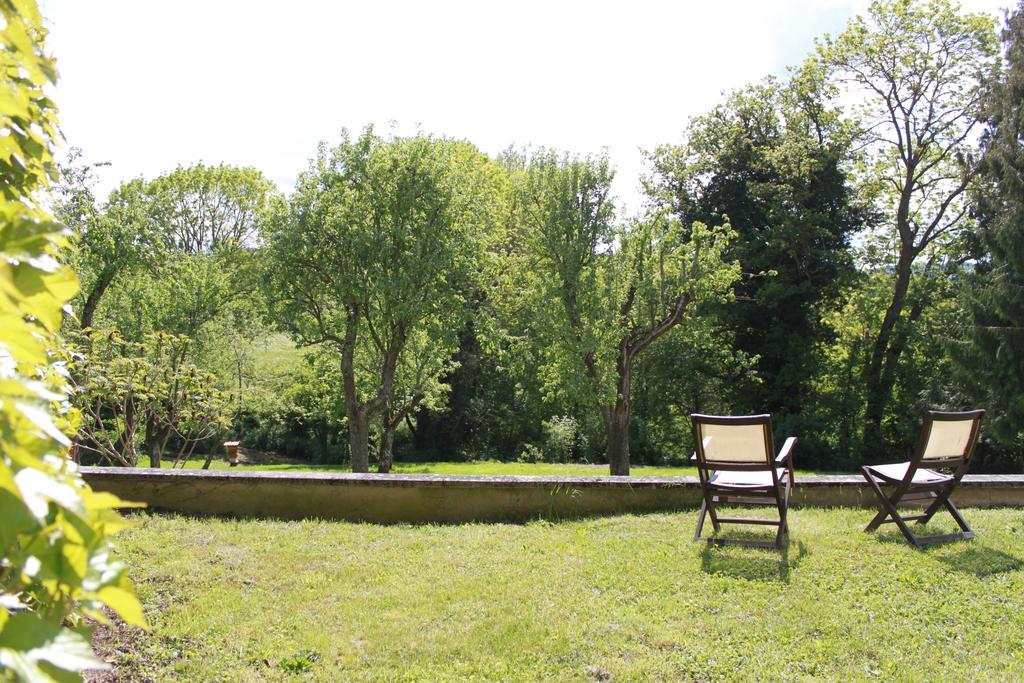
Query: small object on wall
(232, 449)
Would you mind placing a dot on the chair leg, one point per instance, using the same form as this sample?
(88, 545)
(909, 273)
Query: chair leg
(930, 510)
(707, 508)
(905, 529)
(889, 509)
(713, 514)
(883, 513)
(957, 517)
(934, 506)
(700, 520)
(942, 500)
(783, 517)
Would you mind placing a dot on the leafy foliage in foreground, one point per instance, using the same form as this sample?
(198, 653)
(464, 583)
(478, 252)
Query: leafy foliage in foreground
(56, 564)
(628, 597)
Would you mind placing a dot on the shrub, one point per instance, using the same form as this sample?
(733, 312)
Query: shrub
(530, 454)
(563, 439)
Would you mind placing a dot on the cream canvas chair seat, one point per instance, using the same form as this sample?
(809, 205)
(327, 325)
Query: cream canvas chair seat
(947, 442)
(897, 472)
(745, 479)
(736, 465)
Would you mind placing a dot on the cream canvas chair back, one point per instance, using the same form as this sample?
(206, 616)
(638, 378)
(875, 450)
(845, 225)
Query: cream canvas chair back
(739, 440)
(949, 437)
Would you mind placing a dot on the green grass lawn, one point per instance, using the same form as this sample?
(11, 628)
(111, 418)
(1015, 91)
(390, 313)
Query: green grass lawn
(613, 598)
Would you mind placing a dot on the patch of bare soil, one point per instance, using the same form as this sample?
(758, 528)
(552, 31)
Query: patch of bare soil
(125, 649)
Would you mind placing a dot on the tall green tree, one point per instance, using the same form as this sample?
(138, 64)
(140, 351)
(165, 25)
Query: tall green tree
(112, 240)
(378, 240)
(57, 565)
(919, 70)
(605, 293)
(204, 209)
(171, 256)
(770, 160)
(992, 359)
(166, 255)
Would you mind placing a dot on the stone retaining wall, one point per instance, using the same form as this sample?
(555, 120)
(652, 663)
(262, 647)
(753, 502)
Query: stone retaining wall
(418, 498)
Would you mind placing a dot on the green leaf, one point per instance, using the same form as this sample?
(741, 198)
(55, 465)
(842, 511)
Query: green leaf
(28, 640)
(124, 603)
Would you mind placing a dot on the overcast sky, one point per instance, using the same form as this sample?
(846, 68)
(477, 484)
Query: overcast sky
(150, 85)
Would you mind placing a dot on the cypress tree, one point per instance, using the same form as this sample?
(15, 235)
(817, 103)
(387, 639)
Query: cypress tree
(991, 359)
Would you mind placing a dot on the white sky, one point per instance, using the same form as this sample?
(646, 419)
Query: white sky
(148, 85)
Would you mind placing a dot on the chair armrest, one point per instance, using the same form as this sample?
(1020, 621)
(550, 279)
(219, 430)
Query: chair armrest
(786, 454)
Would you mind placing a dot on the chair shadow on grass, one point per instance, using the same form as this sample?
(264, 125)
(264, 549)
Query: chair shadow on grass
(754, 564)
(890, 534)
(969, 556)
(981, 561)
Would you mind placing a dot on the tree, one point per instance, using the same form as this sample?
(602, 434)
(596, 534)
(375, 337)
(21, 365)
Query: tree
(920, 72)
(204, 209)
(184, 240)
(379, 236)
(991, 360)
(111, 240)
(418, 384)
(696, 368)
(607, 293)
(57, 564)
(770, 161)
(172, 256)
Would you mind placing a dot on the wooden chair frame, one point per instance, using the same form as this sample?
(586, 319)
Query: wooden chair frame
(774, 494)
(934, 493)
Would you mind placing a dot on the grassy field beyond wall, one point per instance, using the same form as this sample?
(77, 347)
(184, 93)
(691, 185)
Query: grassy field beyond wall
(482, 467)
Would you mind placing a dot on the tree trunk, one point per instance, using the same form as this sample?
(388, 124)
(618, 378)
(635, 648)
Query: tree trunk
(358, 421)
(385, 458)
(389, 424)
(360, 413)
(359, 441)
(125, 444)
(877, 391)
(155, 454)
(617, 416)
(618, 439)
(156, 439)
(92, 301)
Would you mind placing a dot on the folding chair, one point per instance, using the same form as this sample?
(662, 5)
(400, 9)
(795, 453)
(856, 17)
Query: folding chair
(735, 465)
(947, 441)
